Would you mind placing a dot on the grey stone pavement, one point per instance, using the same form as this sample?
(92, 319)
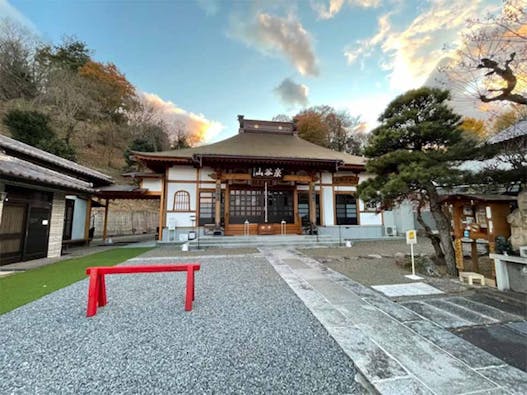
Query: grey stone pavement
(96, 245)
(395, 347)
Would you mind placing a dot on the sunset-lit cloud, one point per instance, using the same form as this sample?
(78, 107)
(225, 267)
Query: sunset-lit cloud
(197, 127)
(292, 93)
(275, 35)
(411, 54)
(328, 9)
(368, 107)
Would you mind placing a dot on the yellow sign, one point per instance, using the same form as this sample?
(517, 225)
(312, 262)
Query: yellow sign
(411, 237)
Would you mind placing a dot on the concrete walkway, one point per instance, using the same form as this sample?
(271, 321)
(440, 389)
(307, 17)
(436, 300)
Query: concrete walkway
(396, 350)
(95, 246)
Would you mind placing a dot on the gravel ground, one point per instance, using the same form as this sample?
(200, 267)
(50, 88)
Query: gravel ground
(365, 248)
(355, 263)
(370, 271)
(247, 333)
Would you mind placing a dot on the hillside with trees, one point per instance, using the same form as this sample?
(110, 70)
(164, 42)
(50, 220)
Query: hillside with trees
(59, 98)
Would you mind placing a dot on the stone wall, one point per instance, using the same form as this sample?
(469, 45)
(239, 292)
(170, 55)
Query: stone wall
(124, 222)
(56, 225)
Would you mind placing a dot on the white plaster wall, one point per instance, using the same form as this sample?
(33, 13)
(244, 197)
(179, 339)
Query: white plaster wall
(182, 173)
(172, 188)
(342, 188)
(364, 177)
(79, 219)
(152, 184)
(210, 186)
(404, 217)
(204, 174)
(370, 219)
(179, 219)
(327, 178)
(327, 206)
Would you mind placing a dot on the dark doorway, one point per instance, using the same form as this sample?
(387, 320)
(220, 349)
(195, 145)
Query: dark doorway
(24, 229)
(37, 233)
(303, 207)
(12, 232)
(68, 219)
(280, 207)
(249, 205)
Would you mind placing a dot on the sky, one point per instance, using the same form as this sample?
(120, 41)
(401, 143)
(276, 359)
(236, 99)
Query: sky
(206, 61)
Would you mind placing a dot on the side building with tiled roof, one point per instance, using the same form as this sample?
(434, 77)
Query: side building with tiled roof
(45, 201)
(263, 180)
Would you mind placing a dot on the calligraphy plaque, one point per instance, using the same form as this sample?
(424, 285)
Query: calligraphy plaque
(346, 180)
(268, 172)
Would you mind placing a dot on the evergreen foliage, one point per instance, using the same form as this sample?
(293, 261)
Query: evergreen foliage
(415, 150)
(32, 127)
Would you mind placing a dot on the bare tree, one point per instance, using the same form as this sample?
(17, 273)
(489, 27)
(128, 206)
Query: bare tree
(18, 77)
(491, 64)
(65, 97)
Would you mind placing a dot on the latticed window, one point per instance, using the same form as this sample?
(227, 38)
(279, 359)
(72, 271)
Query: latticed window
(303, 207)
(181, 201)
(346, 209)
(207, 205)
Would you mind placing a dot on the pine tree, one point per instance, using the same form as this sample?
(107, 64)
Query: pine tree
(414, 151)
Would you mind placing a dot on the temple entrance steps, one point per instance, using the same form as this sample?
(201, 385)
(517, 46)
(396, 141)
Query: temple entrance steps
(265, 241)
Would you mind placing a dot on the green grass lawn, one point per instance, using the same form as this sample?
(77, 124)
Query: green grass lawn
(19, 289)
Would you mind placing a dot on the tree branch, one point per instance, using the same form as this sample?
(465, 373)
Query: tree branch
(507, 74)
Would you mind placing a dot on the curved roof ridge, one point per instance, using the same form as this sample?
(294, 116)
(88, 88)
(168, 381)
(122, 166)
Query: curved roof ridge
(260, 145)
(26, 149)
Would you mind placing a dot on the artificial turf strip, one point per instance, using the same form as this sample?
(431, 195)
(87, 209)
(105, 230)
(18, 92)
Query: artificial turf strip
(18, 289)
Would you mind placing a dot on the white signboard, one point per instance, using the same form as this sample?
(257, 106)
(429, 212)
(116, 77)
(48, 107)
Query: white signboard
(411, 236)
(411, 239)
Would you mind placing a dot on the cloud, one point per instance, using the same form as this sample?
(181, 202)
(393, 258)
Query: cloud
(10, 12)
(368, 107)
(211, 7)
(364, 48)
(198, 128)
(413, 53)
(335, 6)
(285, 36)
(292, 93)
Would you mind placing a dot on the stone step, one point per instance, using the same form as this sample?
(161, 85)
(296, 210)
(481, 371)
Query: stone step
(264, 241)
(436, 314)
(267, 238)
(266, 245)
(501, 302)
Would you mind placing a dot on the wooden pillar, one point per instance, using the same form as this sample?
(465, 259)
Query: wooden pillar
(474, 255)
(226, 205)
(87, 221)
(312, 204)
(217, 202)
(295, 206)
(457, 211)
(105, 224)
(162, 205)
